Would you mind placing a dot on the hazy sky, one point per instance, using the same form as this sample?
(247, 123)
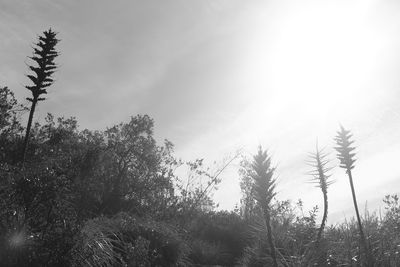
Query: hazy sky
(218, 75)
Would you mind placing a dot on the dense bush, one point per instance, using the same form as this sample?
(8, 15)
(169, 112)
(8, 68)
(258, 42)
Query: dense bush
(77, 186)
(295, 234)
(217, 238)
(126, 240)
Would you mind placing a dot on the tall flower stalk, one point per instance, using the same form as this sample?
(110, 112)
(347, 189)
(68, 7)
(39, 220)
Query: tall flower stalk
(264, 187)
(43, 55)
(346, 156)
(318, 161)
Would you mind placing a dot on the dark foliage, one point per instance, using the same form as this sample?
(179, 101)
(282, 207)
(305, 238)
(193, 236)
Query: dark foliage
(73, 180)
(217, 238)
(126, 240)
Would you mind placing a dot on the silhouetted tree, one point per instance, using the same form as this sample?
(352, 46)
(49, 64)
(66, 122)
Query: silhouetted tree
(43, 55)
(346, 157)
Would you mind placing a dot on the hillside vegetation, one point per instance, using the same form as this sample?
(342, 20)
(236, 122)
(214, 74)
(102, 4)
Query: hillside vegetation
(72, 197)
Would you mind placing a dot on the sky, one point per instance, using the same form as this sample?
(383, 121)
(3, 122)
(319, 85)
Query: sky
(222, 75)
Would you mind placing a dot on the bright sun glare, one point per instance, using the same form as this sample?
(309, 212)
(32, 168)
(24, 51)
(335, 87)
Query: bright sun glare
(312, 63)
(305, 69)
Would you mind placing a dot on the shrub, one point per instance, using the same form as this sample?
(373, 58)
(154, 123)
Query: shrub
(125, 240)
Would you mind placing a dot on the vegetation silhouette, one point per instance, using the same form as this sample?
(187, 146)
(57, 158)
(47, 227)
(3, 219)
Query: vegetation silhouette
(43, 55)
(114, 198)
(264, 185)
(346, 157)
(319, 163)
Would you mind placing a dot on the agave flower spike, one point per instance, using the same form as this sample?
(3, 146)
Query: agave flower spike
(318, 161)
(41, 76)
(264, 187)
(346, 158)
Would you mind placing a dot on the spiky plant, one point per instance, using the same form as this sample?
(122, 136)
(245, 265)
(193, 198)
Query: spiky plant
(264, 187)
(318, 161)
(43, 55)
(346, 156)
